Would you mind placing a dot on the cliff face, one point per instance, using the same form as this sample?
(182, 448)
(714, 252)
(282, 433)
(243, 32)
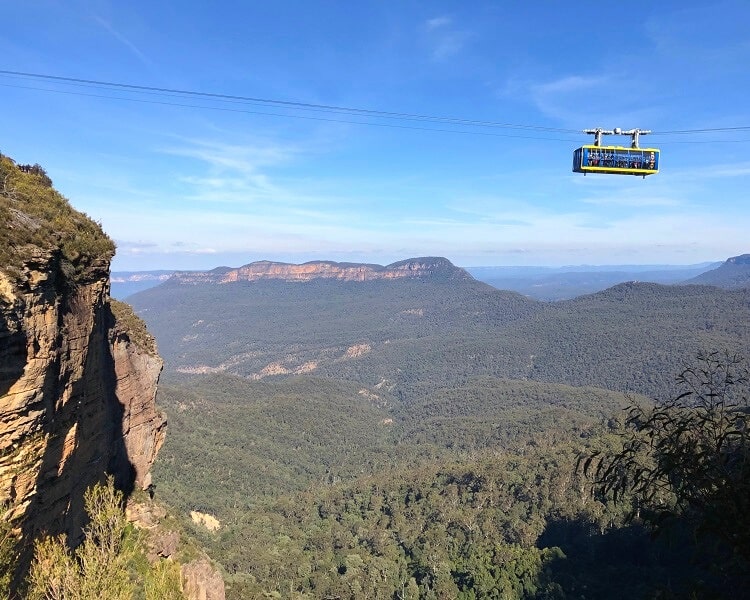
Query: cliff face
(76, 393)
(143, 426)
(78, 375)
(408, 269)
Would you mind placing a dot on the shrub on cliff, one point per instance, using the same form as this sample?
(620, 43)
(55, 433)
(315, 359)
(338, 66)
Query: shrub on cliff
(34, 216)
(99, 566)
(7, 556)
(110, 564)
(127, 321)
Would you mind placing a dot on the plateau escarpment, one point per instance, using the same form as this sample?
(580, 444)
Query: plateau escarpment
(275, 327)
(77, 375)
(264, 270)
(428, 330)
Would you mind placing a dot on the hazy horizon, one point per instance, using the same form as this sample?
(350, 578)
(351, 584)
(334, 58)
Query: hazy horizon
(585, 266)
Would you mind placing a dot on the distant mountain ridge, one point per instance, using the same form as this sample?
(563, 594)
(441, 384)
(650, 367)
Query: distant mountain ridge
(538, 282)
(411, 335)
(563, 283)
(413, 268)
(733, 274)
(125, 283)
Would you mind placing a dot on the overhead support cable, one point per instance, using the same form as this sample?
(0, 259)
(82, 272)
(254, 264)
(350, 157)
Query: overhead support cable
(292, 116)
(292, 106)
(285, 103)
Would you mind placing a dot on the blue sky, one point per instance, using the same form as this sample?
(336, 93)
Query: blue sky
(183, 182)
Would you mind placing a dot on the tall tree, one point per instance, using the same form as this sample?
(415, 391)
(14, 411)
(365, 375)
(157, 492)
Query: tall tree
(687, 460)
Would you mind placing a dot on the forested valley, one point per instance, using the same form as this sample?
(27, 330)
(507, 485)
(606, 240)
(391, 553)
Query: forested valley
(442, 439)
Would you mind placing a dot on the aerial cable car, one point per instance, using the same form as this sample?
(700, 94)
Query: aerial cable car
(616, 160)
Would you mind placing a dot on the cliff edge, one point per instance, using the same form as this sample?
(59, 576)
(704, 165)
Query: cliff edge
(78, 372)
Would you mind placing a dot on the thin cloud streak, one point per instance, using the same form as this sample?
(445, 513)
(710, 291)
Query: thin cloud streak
(731, 170)
(233, 173)
(123, 40)
(245, 159)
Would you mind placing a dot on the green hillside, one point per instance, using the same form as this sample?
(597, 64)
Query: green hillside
(474, 493)
(635, 336)
(412, 337)
(419, 439)
(246, 326)
(733, 274)
(325, 488)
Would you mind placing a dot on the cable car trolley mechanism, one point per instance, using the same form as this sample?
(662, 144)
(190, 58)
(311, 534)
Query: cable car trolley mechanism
(616, 160)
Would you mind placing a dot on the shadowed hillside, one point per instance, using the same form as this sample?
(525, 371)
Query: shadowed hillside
(733, 274)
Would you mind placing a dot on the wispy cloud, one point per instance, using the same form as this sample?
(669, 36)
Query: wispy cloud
(569, 84)
(563, 98)
(232, 172)
(445, 40)
(243, 158)
(741, 169)
(604, 100)
(123, 40)
(438, 22)
(545, 236)
(167, 246)
(131, 246)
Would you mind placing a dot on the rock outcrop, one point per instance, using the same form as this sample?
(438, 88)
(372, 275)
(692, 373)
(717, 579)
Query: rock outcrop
(76, 396)
(78, 376)
(200, 578)
(77, 382)
(413, 268)
(201, 581)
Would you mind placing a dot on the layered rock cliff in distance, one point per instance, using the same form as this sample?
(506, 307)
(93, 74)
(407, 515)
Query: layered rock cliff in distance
(413, 268)
(78, 373)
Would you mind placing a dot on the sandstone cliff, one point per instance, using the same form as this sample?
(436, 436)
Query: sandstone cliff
(414, 268)
(77, 383)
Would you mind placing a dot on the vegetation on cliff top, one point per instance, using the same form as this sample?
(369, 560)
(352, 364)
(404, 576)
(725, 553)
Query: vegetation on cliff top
(35, 217)
(130, 323)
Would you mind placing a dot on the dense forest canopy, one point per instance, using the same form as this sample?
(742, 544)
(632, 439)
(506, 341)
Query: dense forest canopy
(423, 439)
